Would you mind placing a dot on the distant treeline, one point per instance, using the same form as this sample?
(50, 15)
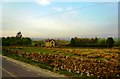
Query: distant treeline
(91, 42)
(74, 42)
(14, 41)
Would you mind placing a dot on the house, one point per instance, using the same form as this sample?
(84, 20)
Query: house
(50, 43)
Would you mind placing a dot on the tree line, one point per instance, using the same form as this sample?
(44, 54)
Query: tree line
(91, 42)
(14, 41)
(74, 42)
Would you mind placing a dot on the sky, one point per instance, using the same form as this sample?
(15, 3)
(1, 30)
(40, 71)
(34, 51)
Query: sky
(46, 19)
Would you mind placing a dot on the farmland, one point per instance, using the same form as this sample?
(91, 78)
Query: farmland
(73, 62)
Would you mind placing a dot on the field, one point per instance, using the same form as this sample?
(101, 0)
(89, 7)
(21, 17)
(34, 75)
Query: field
(73, 62)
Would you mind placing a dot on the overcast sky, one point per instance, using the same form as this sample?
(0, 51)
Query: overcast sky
(45, 19)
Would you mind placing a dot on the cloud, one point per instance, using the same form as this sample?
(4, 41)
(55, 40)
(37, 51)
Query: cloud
(46, 24)
(57, 9)
(43, 2)
(62, 9)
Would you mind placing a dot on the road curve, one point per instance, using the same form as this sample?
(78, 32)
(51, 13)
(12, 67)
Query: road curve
(18, 71)
(11, 69)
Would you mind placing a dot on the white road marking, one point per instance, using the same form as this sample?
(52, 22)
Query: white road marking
(9, 73)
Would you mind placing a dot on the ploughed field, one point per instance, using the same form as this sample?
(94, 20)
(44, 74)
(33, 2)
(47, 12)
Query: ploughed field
(88, 62)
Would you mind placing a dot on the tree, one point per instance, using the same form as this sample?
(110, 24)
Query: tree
(38, 43)
(96, 40)
(13, 41)
(72, 42)
(26, 41)
(110, 42)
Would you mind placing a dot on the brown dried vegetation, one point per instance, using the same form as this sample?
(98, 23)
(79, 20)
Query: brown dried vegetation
(84, 63)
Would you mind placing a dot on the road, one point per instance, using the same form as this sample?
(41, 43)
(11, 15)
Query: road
(12, 69)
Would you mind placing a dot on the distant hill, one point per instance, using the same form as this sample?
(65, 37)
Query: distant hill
(36, 39)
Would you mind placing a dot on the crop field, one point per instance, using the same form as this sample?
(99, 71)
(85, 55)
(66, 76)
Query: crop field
(76, 62)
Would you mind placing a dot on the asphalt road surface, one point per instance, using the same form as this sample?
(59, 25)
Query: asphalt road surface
(17, 71)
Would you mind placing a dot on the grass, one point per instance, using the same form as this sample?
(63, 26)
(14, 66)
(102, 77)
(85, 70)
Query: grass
(69, 73)
(42, 50)
(98, 58)
(35, 49)
(0, 52)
